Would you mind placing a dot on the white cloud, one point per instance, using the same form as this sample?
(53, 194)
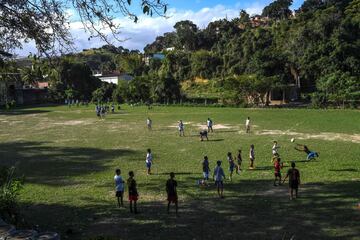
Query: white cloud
(148, 28)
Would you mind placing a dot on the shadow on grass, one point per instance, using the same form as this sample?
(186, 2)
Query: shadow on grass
(344, 170)
(323, 211)
(41, 163)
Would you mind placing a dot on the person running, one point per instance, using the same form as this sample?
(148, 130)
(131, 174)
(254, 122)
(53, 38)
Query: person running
(277, 171)
(310, 154)
(275, 153)
(206, 168)
(119, 187)
(209, 124)
(149, 123)
(219, 175)
(133, 193)
(231, 165)
(149, 161)
(252, 156)
(247, 125)
(294, 181)
(171, 186)
(181, 128)
(239, 161)
(204, 134)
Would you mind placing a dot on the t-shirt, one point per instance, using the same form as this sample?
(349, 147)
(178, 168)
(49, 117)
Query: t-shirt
(277, 167)
(231, 161)
(274, 149)
(181, 126)
(205, 166)
(119, 183)
(219, 173)
(132, 187)
(247, 122)
(171, 186)
(252, 153)
(148, 158)
(294, 175)
(148, 122)
(209, 123)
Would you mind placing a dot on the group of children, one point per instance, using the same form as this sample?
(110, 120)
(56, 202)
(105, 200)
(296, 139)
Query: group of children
(133, 195)
(101, 110)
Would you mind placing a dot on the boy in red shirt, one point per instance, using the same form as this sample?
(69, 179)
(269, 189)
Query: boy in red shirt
(294, 180)
(277, 170)
(133, 193)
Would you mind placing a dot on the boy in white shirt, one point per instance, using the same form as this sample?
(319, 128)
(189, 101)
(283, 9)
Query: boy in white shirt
(252, 156)
(275, 151)
(149, 123)
(119, 187)
(210, 125)
(149, 160)
(247, 125)
(219, 175)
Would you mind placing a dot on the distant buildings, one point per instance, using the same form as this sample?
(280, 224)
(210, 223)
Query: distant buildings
(114, 77)
(158, 56)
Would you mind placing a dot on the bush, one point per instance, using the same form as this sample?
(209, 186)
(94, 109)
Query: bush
(9, 191)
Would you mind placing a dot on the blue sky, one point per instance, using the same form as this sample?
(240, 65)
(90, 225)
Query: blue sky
(201, 12)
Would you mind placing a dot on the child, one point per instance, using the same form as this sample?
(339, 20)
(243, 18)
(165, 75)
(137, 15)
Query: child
(310, 154)
(149, 161)
(204, 134)
(171, 186)
(119, 187)
(133, 194)
(148, 123)
(218, 177)
(209, 125)
(252, 156)
(206, 168)
(239, 161)
(181, 129)
(112, 108)
(294, 180)
(275, 149)
(277, 167)
(231, 165)
(247, 125)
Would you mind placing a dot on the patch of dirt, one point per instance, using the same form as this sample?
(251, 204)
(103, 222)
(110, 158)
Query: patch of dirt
(329, 136)
(73, 123)
(215, 126)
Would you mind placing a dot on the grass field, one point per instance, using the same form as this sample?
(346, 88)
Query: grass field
(68, 157)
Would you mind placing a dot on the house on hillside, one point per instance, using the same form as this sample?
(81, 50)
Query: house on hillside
(159, 56)
(114, 78)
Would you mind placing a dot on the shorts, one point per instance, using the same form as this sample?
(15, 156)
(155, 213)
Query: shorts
(206, 175)
(148, 165)
(294, 185)
(119, 193)
(219, 183)
(133, 198)
(311, 155)
(231, 168)
(172, 198)
(278, 174)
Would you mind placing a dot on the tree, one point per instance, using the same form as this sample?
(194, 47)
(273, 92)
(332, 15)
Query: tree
(46, 22)
(186, 32)
(279, 9)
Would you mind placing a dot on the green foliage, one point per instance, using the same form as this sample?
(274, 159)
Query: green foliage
(9, 192)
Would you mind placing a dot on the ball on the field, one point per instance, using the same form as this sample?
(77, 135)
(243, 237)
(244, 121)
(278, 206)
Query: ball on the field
(292, 140)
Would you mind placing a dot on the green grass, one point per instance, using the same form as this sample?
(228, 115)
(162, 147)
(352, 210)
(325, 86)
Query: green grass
(68, 157)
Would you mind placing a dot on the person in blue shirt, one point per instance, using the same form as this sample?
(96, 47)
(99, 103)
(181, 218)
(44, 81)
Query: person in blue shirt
(119, 187)
(219, 176)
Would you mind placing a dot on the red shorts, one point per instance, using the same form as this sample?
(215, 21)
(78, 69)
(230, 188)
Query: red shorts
(133, 198)
(172, 199)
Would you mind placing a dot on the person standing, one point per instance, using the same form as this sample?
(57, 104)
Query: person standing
(231, 165)
(277, 171)
(252, 156)
(247, 125)
(206, 168)
(239, 162)
(209, 124)
(219, 176)
(171, 190)
(274, 151)
(119, 187)
(181, 128)
(133, 193)
(294, 180)
(149, 161)
(149, 123)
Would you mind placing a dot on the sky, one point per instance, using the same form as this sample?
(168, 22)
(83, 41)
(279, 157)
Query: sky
(137, 35)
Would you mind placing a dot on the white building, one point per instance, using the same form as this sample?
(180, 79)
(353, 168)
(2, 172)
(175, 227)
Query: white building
(114, 77)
